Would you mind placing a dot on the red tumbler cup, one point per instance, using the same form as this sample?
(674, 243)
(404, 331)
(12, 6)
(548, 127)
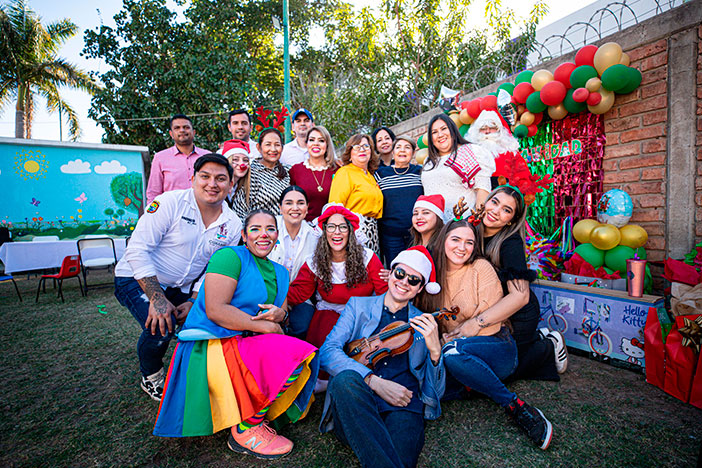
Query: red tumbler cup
(635, 274)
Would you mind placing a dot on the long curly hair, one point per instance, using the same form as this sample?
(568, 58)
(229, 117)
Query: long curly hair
(355, 264)
(356, 139)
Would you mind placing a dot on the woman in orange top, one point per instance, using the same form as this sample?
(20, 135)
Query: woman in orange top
(355, 187)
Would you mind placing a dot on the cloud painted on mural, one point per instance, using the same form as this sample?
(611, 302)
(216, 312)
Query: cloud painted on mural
(110, 167)
(77, 166)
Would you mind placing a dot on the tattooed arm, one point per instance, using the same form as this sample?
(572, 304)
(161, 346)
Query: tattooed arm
(160, 309)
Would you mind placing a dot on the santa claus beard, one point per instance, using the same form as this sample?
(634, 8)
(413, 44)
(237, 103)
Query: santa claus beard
(496, 142)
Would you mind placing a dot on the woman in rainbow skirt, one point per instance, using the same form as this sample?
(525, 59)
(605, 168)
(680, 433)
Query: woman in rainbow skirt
(233, 367)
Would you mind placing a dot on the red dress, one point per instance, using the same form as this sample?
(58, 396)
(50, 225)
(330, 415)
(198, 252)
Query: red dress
(310, 181)
(331, 303)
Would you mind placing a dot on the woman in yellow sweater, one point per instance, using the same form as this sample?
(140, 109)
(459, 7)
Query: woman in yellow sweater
(477, 353)
(355, 187)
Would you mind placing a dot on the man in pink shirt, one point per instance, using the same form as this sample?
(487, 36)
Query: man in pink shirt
(172, 168)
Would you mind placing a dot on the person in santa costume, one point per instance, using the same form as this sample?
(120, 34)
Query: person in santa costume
(491, 132)
(339, 269)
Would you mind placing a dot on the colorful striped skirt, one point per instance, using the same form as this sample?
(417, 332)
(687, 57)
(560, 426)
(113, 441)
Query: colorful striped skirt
(216, 384)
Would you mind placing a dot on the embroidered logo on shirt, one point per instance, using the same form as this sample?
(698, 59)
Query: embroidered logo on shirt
(222, 234)
(153, 207)
(188, 220)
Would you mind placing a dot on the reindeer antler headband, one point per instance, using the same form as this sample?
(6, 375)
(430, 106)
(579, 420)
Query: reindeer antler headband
(264, 116)
(461, 207)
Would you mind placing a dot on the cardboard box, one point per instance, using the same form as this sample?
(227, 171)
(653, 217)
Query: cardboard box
(617, 284)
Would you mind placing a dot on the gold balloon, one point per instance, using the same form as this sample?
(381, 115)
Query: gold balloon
(557, 112)
(527, 118)
(607, 55)
(421, 154)
(456, 119)
(425, 139)
(605, 104)
(633, 236)
(605, 237)
(593, 84)
(583, 229)
(540, 78)
(521, 108)
(465, 117)
(625, 59)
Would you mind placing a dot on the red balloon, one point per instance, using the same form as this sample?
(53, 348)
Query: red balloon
(464, 104)
(522, 91)
(594, 99)
(532, 129)
(562, 73)
(474, 108)
(586, 56)
(488, 102)
(538, 118)
(553, 93)
(581, 95)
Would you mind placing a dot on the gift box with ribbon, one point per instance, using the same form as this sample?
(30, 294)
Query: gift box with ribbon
(672, 354)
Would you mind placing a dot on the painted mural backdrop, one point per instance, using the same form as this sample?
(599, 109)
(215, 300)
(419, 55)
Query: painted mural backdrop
(68, 191)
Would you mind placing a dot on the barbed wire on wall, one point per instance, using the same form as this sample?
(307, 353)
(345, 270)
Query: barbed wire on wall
(613, 17)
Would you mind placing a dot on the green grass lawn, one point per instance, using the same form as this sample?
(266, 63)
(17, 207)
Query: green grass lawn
(70, 397)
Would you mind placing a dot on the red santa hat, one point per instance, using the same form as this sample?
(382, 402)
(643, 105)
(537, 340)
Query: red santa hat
(433, 203)
(232, 147)
(418, 258)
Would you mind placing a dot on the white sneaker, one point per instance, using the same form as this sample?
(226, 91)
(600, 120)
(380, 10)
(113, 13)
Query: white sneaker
(153, 384)
(321, 386)
(543, 332)
(560, 350)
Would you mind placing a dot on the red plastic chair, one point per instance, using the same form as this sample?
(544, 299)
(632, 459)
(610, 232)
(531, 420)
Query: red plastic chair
(70, 268)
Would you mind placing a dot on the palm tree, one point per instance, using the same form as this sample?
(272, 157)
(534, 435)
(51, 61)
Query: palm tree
(29, 66)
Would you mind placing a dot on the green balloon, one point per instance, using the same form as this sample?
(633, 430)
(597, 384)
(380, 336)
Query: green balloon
(534, 103)
(591, 254)
(608, 270)
(509, 87)
(420, 142)
(581, 74)
(520, 131)
(615, 77)
(616, 258)
(463, 129)
(524, 77)
(572, 106)
(633, 81)
(641, 252)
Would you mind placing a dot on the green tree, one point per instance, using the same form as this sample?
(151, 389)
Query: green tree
(109, 212)
(30, 66)
(127, 191)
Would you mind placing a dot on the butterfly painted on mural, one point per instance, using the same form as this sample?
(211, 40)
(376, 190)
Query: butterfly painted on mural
(81, 198)
(34, 202)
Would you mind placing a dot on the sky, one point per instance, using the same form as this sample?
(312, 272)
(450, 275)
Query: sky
(90, 14)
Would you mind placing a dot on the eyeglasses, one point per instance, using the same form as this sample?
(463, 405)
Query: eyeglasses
(401, 274)
(364, 146)
(329, 227)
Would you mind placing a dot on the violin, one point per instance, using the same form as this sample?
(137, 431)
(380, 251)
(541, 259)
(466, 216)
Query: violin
(395, 338)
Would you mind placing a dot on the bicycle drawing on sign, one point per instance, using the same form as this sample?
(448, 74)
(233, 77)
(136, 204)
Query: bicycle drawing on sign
(598, 340)
(554, 318)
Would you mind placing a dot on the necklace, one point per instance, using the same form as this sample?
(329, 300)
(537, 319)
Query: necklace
(319, 184)
(401, 173)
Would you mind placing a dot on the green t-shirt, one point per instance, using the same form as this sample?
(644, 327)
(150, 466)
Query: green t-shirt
(226, 262)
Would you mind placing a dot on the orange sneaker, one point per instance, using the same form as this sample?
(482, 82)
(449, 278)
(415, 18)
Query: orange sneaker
(260, 441)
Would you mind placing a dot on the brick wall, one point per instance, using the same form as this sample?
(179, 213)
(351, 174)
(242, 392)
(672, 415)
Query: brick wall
(698, 143)
(635, 153)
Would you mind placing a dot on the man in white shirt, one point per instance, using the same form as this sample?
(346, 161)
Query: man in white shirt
(296, 151)
(239, 125)
(167, 254)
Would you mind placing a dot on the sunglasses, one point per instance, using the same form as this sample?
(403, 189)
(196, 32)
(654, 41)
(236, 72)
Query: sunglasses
(401, 274)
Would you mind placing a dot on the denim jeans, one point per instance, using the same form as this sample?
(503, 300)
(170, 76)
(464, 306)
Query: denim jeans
(389, 439)
(299, 320)
(150, 348)
(392, 245)
(482, 362)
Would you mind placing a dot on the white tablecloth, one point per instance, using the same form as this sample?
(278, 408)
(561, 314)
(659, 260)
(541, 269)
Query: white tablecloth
(26, 256)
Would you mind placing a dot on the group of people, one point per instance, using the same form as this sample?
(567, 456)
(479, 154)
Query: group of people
(275, 257)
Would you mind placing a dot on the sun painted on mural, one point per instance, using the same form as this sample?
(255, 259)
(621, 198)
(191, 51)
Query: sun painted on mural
(31, 165)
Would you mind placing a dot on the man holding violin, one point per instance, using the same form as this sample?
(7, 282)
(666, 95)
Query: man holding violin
(377, 401)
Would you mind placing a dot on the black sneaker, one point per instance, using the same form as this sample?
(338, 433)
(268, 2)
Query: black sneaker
(532, 421)
(153, 384)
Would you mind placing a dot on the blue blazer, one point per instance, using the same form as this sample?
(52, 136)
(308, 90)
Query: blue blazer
(359, 319)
